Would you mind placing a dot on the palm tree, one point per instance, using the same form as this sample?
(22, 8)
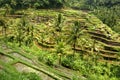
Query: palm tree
(20, 33)
(75, 34)
(58, 28)
(30, 35)
(25, 32)
(59, 22)
(8, 9)
(4, 27)
(60, 50)
(2, 23)
(21, 30)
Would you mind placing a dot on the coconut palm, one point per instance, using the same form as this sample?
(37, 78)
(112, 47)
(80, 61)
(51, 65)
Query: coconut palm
(19, 36)
(59, 23)
(75, 34)
(29, 35)
(58, 28)
(25, 32)
(60, 50)
(4, 26)
(21, 31)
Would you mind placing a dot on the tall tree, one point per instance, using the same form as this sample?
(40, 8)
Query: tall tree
(75, 34)
(25, 32)
(58, 27)
(60, 50)
(59, 23)
(3, 24)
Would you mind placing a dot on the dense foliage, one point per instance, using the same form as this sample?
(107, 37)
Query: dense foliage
(106, 10)
(18, 4)
(58, 37)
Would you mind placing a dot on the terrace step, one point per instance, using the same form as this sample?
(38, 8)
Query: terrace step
(111, 48)
(107, 55)
(15, 16)
(107, 51)
(109, 61)
(110, 57)
(99, 35)
(108, 42)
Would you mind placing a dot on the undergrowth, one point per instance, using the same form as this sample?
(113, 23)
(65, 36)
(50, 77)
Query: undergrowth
(88, 67)
(18, 76)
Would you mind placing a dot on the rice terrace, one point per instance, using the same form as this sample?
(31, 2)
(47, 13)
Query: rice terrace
(59, 39)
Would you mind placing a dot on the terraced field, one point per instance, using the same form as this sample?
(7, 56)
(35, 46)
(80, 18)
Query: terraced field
(94, 38)
(20, 61)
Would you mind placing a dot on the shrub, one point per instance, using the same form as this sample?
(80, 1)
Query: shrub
(47, 58)
(67, 61)
(42, 56)
(50, 60)
(36, 5)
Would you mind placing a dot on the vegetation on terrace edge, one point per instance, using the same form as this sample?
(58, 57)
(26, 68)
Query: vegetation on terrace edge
(60, 38)
(60, 53)
(106, 10)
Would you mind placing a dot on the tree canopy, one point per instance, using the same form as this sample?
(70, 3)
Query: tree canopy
(106, 10)
(17, 4)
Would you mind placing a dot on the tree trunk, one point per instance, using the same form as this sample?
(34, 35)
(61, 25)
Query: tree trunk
(74, 46)
(5, 29)
(60, 58)
(93, 47)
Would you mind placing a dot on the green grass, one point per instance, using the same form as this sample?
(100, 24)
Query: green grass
(42, 67)
(18, 76)
(106, 71)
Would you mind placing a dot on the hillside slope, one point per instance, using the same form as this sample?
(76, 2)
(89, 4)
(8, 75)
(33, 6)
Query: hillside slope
(93, 38)
(91, 29)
